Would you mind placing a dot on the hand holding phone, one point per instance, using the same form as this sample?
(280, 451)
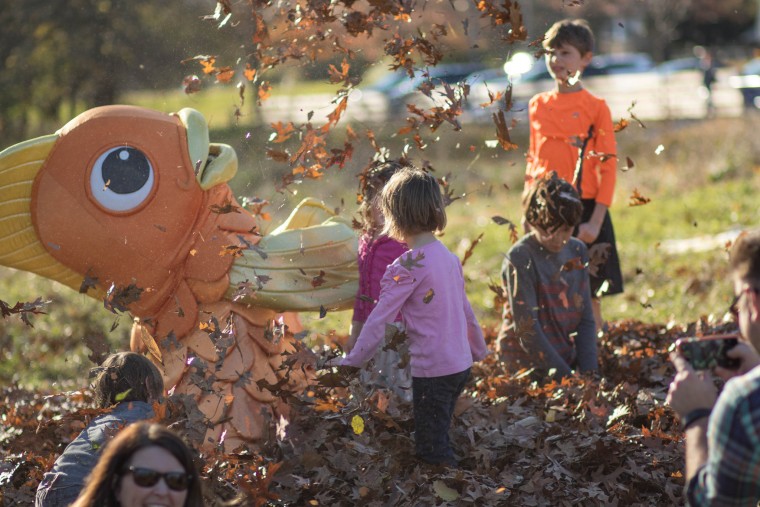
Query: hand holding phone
(707, 352)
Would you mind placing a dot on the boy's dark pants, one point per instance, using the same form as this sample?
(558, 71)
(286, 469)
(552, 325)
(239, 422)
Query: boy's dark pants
(434, 401)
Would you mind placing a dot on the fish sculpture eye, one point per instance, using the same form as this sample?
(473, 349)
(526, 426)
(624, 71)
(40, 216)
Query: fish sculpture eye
(122, 179)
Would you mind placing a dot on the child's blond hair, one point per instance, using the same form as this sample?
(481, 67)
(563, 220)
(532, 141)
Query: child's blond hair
(572, 32)
(412, 204)
(552, 203)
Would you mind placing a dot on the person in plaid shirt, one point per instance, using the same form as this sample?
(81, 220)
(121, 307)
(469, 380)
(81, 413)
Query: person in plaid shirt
(723, 432)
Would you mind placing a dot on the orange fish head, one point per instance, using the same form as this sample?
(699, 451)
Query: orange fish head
(115, 194)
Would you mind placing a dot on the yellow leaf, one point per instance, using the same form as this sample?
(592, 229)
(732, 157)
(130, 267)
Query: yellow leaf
(444, 492)
(357, 423)
(121, 396)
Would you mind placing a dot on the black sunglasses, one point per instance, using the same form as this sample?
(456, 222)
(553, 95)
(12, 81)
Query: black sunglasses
(146, 478)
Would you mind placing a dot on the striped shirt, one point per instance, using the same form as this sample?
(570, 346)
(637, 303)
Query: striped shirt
(731, 476)
(550, 302)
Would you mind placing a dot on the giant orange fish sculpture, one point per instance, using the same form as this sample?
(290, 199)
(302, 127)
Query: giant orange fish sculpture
(135, 203)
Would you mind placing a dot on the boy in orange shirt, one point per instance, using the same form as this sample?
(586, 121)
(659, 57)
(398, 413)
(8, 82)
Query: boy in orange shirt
(571, 132)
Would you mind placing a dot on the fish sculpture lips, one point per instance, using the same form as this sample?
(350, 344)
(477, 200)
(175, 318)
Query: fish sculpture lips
(124, 195)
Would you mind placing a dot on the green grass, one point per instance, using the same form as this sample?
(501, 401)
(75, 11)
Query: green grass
(704, 182)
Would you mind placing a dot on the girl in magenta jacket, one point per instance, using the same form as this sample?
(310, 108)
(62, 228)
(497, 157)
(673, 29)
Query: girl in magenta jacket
(376, 252)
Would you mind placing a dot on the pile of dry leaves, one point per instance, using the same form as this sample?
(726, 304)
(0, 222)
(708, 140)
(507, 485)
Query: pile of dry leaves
(604, 440)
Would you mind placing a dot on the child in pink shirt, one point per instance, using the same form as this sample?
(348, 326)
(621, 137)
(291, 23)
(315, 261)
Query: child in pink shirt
(426, 285)
(376, 252)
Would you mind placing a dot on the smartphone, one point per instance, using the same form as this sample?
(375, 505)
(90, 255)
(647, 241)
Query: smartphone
(707, 352)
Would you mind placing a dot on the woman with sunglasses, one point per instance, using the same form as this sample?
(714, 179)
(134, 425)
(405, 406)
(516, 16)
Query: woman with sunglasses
(145, 464)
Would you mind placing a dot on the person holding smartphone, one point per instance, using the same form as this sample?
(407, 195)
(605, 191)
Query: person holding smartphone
(722, 431)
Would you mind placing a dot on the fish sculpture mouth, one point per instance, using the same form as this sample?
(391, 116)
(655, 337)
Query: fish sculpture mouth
(213, 163)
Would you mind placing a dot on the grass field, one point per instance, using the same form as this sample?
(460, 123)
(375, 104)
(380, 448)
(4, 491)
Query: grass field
(702, 182)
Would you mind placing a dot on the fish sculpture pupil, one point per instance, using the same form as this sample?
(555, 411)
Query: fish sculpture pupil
(126, 169)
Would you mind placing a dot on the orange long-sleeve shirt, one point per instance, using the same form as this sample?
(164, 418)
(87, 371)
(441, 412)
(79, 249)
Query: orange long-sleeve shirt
(559, 122)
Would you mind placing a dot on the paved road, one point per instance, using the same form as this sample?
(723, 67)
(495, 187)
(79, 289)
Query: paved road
(657, 97)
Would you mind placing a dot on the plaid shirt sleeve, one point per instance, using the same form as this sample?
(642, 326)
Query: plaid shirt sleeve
(731, 476)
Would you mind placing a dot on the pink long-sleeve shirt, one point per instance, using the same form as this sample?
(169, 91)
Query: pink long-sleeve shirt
(426, 285)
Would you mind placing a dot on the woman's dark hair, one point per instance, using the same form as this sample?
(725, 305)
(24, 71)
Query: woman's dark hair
(103, 483)
(126, 376)
(371, 183)
(551, 203)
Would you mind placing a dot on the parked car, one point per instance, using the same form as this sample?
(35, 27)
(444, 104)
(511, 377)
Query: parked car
(679, 65)
(400, 89)
(537, 79)
(748, 83)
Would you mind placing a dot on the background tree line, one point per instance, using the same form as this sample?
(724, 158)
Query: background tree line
(59, 58)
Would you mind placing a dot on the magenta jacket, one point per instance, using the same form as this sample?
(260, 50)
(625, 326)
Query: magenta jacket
(427, 285)
(374, 257)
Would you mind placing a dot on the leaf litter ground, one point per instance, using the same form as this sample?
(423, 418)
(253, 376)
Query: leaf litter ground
(605, 440)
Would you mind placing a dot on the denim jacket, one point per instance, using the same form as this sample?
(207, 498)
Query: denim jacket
(63, 483)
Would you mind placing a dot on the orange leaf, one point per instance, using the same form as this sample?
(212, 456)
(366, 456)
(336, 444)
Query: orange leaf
(249, 72)
(265, 90)
(284, 132)
(208, 65)
(636, 199)
(224, 75)
(334, 117)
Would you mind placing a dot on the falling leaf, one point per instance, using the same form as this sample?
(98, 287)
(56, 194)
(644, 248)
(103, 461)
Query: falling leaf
(265, 90)
(513, 234)
(122, 395)
(282, 132)
(99, 348)
(598, 255)
(191, 84)
(428, 296)
(318, 280)
(118, 298)
(226, 207)
(573, 264)
(633, 116)
(225, 75)
(249, 72)
(469, 251)
(628, 164)
(89, 282)
(621, 125)
(502, 131)
(410, 263)
(357, 424)
(636, 199)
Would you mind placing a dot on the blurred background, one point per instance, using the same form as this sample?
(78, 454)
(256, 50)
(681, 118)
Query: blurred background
(689, 146)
